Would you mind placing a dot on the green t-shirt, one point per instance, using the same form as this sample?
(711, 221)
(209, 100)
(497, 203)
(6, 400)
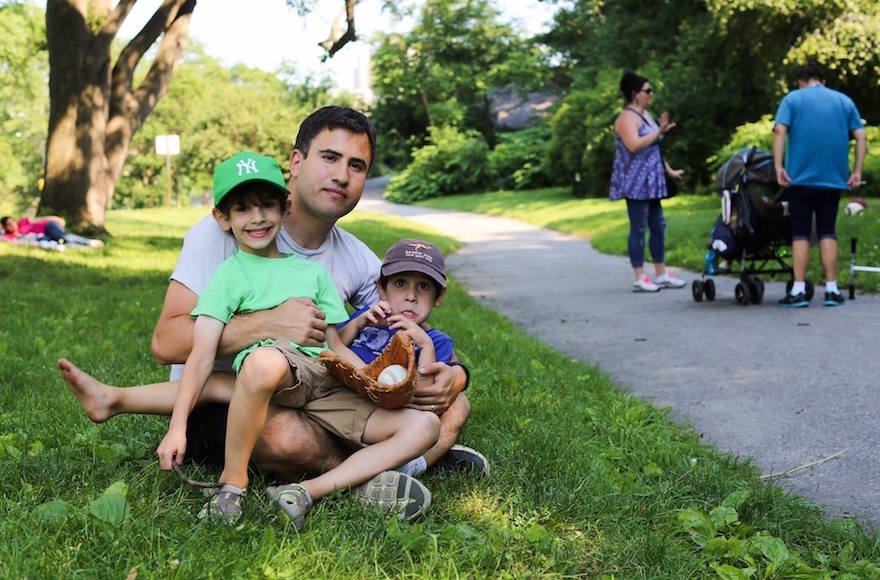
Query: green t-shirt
(247, 283)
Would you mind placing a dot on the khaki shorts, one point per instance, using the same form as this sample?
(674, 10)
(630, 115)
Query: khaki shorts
(319, 395)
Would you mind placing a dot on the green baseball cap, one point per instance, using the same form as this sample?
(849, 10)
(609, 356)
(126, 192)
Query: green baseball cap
(247, 167)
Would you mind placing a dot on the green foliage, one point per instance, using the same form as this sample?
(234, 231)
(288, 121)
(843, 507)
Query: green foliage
(452, 162)
(24, 102)
(719, 64)
(442, 72)
(517, 162)
(582, 145)
(216, 111)
(734, 549)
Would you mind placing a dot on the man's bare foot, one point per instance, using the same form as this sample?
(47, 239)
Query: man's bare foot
(94, 396)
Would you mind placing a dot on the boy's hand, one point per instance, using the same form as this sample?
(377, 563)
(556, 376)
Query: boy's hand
(403, 324)
(171, 449)
(376, 315)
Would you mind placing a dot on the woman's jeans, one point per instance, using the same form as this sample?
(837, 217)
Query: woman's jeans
(644, 216)
(56, 233)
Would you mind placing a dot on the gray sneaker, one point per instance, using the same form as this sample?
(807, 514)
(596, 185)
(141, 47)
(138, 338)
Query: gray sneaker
(395, 492)
(224, 505)
(461, 458)
(293, 500)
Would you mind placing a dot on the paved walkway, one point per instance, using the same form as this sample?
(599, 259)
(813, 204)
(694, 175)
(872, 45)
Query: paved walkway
(783, 387)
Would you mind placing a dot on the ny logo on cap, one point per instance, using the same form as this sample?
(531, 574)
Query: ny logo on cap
(247, 166)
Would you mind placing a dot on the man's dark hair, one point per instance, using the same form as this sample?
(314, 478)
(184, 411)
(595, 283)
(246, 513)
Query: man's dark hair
(811, 71)
(335, 117)
(630, 84)
(254, 191)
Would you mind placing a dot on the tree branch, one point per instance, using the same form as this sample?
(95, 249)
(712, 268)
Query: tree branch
(336, 41)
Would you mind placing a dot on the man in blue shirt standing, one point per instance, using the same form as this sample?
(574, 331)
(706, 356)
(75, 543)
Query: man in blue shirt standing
(818, 123)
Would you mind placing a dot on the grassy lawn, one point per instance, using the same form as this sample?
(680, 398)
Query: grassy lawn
(689, 220)
(587, 481)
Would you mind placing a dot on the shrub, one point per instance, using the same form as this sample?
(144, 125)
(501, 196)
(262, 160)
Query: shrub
(517, 162)
(452, 162)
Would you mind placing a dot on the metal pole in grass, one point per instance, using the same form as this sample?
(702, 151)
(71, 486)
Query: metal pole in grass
(168, 145)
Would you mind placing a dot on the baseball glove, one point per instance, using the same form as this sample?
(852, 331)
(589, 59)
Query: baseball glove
(400, 351)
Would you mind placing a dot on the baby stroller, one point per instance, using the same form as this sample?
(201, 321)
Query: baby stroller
(753, 229)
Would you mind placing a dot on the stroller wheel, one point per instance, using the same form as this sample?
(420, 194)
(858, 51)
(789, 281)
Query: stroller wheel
(709, 289)
(810, 289)
(743, 294)
(759, 283)
(697, 291)
(756, 288)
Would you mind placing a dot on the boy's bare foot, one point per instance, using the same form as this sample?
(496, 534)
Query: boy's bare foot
(93, 396)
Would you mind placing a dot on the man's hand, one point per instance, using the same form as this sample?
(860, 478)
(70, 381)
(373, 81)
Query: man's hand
(438, 392)
(297, 320)
(782, 177)
(855, 180)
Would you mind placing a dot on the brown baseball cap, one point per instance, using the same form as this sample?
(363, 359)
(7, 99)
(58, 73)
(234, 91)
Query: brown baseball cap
(412, 255)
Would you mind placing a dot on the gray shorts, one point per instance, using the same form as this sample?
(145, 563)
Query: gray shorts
(319, 395)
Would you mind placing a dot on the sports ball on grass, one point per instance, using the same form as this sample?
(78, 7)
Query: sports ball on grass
(856, 206)
(391, 375)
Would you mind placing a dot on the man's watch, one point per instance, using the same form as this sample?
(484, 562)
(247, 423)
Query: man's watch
(467, 373)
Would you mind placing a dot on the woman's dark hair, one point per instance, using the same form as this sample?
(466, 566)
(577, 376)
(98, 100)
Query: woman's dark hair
(3, 221)
(335, 117)
(630, 84)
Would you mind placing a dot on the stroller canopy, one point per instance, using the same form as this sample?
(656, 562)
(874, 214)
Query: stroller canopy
(746, 165)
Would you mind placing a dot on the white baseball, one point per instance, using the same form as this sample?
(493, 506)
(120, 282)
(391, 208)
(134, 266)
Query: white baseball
(853, 208)
(391, 374)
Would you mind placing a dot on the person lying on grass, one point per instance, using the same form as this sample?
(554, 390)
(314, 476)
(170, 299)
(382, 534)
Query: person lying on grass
(250, 198)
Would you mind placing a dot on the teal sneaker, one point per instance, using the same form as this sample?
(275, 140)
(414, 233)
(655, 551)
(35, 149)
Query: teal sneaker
(798, 300)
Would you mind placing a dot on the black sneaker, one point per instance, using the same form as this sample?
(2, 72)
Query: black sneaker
(461, 458)
(833, 299)
(798, 300)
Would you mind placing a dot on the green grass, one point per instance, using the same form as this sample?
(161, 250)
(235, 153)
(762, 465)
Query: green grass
(587, 481)
(689, 220)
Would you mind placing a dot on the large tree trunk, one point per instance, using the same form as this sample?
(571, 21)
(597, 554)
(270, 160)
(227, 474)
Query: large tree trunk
(95, 109)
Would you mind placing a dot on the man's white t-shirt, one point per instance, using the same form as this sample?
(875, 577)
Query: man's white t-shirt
(353, 267)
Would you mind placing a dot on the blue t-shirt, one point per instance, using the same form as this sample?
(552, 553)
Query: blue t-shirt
(820, 122)
(372, 340)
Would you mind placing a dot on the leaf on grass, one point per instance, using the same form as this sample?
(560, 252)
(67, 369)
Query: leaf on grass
(9, 445)
(112, 507)
(736, 499)
(36, 448)
(698, 525)
(537, 533)
(53, 512)
(773, 549)
(723, 516)
(728, 572)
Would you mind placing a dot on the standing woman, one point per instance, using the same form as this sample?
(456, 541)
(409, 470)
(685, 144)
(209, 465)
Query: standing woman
(639, 176)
